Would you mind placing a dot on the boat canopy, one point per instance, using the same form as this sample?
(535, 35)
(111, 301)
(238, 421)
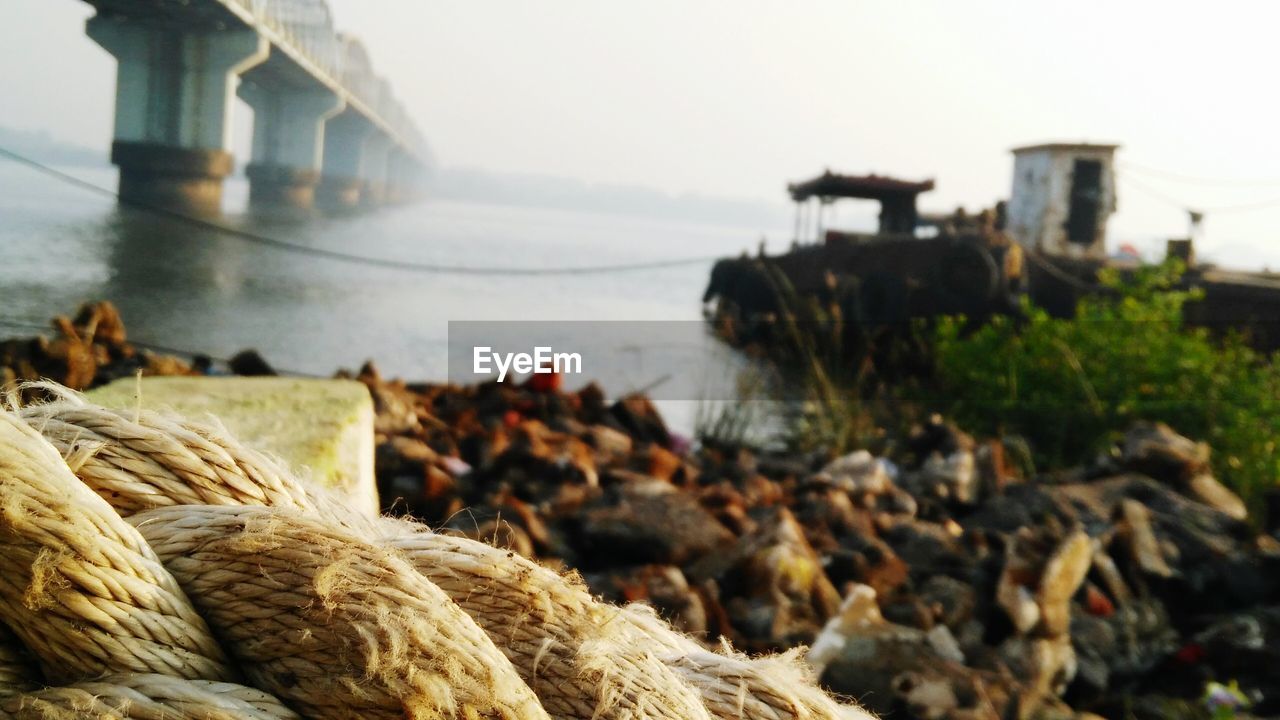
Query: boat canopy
(897, 198)
(829, 186)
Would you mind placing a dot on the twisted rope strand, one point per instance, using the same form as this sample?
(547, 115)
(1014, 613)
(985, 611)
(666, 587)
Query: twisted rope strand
(332, 624)
(582, 657)
(146, 697)
(78, 585)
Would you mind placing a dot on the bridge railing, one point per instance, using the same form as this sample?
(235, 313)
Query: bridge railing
(307, 26)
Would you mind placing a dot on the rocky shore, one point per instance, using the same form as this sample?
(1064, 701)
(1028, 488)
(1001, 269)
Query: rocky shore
(946, 581)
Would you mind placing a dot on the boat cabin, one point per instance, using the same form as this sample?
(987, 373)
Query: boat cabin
(897, 198)
(1063, 194)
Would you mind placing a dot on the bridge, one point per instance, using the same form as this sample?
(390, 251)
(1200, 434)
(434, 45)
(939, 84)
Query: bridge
(326, 130)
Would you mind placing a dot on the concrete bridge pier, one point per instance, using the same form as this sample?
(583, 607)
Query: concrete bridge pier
(288, 142)
(173, 105)
(399, 177)
(342, 180)
(374, 169)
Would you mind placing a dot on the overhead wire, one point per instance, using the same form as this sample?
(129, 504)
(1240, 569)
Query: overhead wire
(1195, 179)
(335, 255)
(1188, 207)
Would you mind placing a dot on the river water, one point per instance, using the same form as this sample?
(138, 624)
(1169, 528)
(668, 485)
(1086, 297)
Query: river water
(202, 291)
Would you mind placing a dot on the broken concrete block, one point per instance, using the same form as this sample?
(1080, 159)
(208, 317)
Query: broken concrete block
(321, 429)
(1156, 450)
(1144, 548)
(1060, 579)
(1044, 665)
(649, 521)
(1040, 576)
(858, 472)
(858, 610)
(1206, 488)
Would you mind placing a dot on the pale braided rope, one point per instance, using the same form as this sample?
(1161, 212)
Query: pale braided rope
(146, 697)
(549, 628)
(540, 626)
(775, 687)
(330, 623)
(143, 459)
(580, 664)
(78, 585)
(17, 667)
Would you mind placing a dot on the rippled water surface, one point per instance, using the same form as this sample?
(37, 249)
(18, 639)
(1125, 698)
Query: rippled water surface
(201, 291)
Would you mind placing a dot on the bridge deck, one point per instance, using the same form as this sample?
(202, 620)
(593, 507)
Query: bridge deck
(301, 31)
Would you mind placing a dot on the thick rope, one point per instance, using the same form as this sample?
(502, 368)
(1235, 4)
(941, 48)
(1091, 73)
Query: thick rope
(146, 697)
(79, 586)
(550, 628)
(17, 667)
(139, 460)
(774, 687)
(583, 658)
(333, 625)
(580, 664)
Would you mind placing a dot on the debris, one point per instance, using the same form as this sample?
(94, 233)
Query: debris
(937, 577)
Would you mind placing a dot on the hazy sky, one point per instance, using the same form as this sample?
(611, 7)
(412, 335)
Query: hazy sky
(735, 97)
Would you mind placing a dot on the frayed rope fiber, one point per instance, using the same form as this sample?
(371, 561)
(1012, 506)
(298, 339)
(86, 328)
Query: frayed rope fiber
(146, 697)
(332, 624)
(18, 673)
(80, 587)
(341, 615)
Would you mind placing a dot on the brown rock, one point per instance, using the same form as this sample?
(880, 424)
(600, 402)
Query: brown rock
(663, 587)
(867, 560)
(1059, 581)
(1040, 575)
(1206, 488)
(638, 418)
(894, 671)
(69, 359)
(395, 410)
(1045, 665)
(1141, 540)
(788, 566)
(950, 477)
(778, 594)
(250, 363)
(411, 449)
(858, 472)
(729, 507)
(652, 522)
(760, 491)
(994, 470)
(953, 600)
(1156, 450)
(611, 444)
(165, 365)
(1115, 584)
(927, 698)
(661, 463)
(100, 323)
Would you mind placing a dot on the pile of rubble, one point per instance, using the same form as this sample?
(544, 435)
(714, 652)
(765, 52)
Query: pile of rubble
(940, 584)
(92, 348)
(944, 582)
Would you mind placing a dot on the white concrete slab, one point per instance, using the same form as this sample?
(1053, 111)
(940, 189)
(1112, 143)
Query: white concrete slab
(322, 429)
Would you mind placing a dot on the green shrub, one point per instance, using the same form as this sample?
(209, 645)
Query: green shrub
(1071, 386)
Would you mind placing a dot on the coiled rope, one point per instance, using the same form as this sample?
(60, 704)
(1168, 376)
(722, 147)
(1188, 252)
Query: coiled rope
(147, 697)
(337, 614)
